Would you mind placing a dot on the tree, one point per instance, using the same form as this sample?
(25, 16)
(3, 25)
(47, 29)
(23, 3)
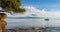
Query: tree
(9, 6)
(12, 6)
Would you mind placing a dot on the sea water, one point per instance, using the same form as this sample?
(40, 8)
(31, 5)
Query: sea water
(53, 25)
(25, 22)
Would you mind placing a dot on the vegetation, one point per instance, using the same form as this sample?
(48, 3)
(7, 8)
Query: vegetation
(12, 6)
(9, 6)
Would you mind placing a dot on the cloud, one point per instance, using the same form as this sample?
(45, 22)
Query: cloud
(34, 12)
(41, 13)
(30, 12)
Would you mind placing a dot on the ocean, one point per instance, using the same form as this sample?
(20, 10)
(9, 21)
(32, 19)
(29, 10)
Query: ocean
(24, 22)
(53, 25)
(52, 29)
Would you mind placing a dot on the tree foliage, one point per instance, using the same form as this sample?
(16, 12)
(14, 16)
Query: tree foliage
(12, 6)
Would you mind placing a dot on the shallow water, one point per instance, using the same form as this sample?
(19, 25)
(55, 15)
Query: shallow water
(53, 29)
(53, 24)
(25, 23)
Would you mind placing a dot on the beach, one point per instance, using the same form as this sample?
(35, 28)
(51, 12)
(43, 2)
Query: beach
(25, 30)
(49, 29)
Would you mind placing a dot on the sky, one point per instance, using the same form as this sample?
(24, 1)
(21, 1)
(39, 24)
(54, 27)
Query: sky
(39, 8)
(50, 5)
(43, 8)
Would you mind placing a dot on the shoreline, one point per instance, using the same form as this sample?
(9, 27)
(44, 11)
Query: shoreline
(25, 30)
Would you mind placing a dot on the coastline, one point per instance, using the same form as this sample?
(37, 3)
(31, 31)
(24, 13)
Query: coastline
(25, 30)
(48, 29)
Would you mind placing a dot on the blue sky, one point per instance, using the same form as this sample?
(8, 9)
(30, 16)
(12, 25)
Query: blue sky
(50, 5)
(40, 8)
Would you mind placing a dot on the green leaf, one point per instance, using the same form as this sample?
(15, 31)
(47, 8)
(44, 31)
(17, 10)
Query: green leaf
(12, 5)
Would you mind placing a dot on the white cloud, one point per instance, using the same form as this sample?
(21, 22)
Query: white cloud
(42, 13)
(39, 13)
